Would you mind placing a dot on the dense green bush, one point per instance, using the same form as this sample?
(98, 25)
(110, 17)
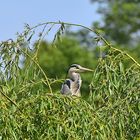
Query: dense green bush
(31, 110)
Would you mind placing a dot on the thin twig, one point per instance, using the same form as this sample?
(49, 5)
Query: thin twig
(91, 30)
(40, 69)
(10, 100)
(126, 55)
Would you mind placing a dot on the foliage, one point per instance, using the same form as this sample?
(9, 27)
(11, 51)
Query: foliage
(121, 20)
(31, 110)
(117, 98)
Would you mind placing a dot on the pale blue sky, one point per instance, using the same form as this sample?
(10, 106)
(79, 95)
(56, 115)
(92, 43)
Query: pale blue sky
(15, 13)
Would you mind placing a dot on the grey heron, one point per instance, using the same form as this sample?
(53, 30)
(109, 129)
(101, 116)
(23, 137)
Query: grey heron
(72, 85)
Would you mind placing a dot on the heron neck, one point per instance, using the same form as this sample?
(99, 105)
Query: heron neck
(74, 76)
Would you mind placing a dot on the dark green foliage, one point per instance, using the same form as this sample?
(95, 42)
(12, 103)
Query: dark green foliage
(121, 20)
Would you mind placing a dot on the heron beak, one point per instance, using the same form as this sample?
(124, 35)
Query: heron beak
(82, 69)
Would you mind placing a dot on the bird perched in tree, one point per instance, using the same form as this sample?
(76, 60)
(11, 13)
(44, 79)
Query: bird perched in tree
(72, 85)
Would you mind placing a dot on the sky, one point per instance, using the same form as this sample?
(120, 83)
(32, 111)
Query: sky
(14, 14)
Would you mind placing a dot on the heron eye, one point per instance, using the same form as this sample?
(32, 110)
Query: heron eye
(77, 68)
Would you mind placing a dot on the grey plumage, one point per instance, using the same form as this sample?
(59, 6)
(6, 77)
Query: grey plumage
(72, 85)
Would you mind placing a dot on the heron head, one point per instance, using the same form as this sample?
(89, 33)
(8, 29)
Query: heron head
(77, 68)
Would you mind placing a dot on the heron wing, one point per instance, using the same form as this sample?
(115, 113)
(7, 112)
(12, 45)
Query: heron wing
(66, 87)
